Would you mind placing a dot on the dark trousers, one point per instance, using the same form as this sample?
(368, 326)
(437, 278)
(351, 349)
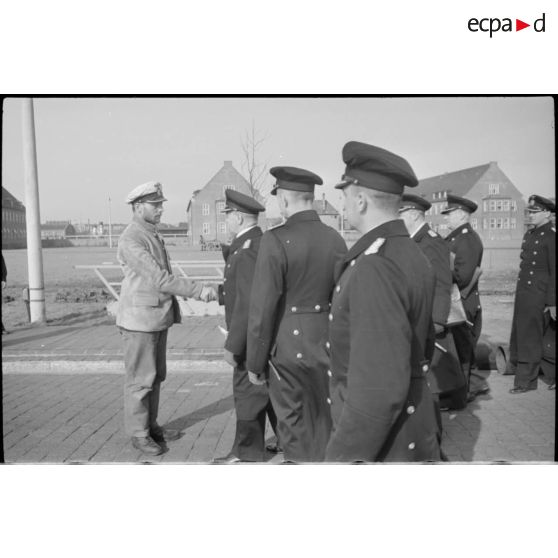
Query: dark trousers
(466, 338)
(252, 406)
(146, 367)
(300, 398)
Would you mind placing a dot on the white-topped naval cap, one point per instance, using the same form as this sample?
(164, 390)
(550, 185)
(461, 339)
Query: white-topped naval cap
(149, 192)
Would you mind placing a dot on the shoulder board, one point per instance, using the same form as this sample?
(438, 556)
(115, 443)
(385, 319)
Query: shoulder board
(553, 229)
(432, 233)
(465, 231)
(375, 246)
(247, 244)
(275, 226)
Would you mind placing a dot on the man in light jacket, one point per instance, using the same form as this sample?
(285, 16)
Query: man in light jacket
(146, 309)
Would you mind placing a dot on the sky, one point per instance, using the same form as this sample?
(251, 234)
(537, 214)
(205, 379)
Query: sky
(93, 149)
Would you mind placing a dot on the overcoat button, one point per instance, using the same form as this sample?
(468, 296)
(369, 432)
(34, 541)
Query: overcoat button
(327, 344)
(412, 446)
(298, 355)
(296, 332)
(425, 368)
(329, 374)
(293, 309)
(338, 288)
(328, 400)
(353, 262)
(331, 317)
(317, 307)
(224, 293)
(528, 282)
(410, 410)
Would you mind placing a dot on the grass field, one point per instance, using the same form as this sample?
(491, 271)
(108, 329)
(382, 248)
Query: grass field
(61, 278)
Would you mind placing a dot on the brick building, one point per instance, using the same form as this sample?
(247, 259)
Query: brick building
(500, 217)
(205, 219)
(14, 227)
(328, 214)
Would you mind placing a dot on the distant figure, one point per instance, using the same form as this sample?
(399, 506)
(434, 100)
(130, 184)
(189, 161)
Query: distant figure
(288, 321)
(445, 374)
(381, 330)
(251, 402)
(146, 309)
(4, 279)
(535, 301)
(467, 249)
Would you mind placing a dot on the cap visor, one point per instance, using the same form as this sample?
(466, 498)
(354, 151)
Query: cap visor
(343, 184)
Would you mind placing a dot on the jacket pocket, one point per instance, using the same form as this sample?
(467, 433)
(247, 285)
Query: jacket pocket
(140, 299)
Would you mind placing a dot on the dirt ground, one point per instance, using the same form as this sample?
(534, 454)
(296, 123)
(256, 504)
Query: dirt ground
(76, 295)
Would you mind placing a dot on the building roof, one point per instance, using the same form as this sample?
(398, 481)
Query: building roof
(458, 182)
(8, 200)
(323, 207)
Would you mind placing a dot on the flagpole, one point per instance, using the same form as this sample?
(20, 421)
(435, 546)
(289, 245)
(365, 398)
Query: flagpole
(32, 216)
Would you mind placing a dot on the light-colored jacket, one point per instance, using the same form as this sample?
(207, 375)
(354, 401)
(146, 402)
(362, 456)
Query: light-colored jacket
(147, 301)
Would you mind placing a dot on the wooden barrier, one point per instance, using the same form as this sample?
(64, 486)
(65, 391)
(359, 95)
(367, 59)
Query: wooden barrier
(185, 267)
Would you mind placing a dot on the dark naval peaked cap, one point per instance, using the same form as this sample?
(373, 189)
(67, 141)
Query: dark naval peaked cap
(293, 178)
(538, 203)
(375, 168)
(236, 201)
(457, 202)
(411, 201)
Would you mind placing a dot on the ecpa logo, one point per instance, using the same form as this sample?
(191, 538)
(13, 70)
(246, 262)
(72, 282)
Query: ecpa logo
(492, 25)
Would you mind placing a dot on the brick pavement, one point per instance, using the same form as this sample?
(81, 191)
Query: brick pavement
(76, 418)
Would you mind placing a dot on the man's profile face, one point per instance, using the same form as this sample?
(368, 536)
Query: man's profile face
(408, 217)
(351, 205)
(151, 212)
(232, 221)
(454, 219)
(537, 218)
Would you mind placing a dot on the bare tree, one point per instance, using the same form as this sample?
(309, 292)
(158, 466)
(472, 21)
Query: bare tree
(254, 170)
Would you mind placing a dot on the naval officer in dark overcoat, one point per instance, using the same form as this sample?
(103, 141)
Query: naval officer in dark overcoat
(288, 321)
(381, 332)
(535, 300)
(467, 249)
(445, 374)
(251, 402)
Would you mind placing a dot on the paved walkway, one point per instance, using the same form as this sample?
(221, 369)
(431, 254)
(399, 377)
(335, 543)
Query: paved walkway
(62, 399)
(78, 418)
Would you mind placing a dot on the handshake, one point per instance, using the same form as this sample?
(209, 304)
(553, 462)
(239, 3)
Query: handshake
(208, 292)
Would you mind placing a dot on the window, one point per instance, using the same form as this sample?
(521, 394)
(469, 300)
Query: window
(485, 224)
(485, 206)
(228, 187)
(513, 223)
(492, 223)
(474, 223)
(222, 228)
(513, 205)
(493, 189)
(220, 206)
(205, 209)
(206, 228)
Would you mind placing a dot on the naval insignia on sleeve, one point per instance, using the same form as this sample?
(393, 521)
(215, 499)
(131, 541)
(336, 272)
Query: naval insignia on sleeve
(375, 246)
